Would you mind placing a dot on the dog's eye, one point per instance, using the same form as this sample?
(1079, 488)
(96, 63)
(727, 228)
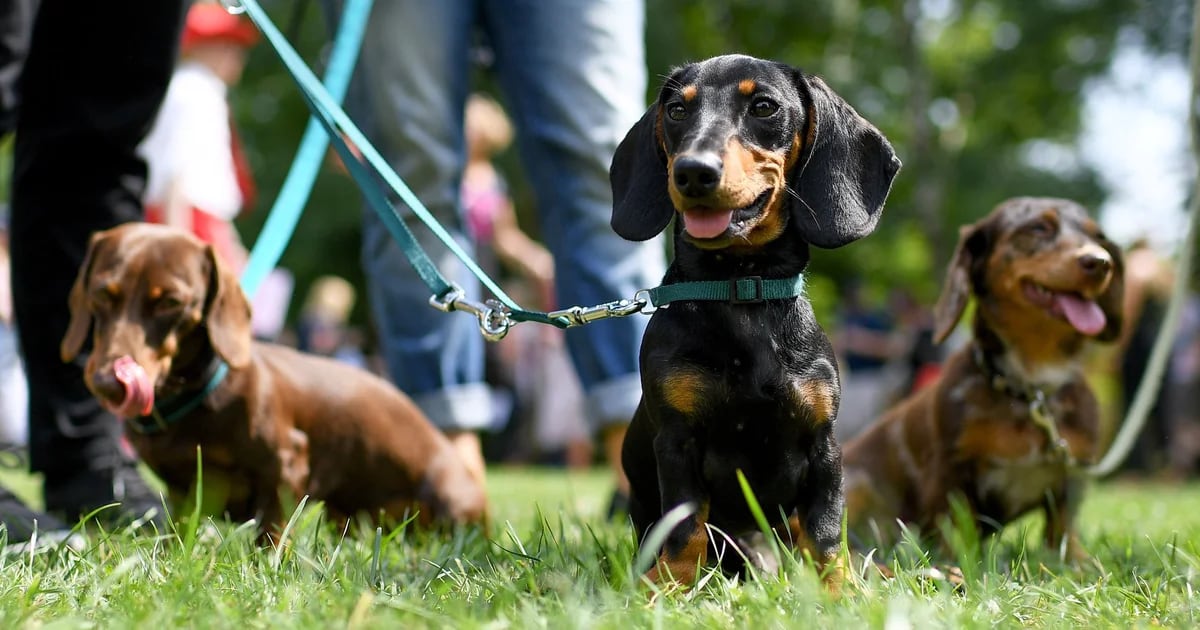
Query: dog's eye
(675, 111)
(763, 107)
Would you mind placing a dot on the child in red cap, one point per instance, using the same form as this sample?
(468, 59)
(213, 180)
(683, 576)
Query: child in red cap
(198, 177)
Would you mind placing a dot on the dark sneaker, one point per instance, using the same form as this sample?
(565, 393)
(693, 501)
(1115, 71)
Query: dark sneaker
(78, 495)
(21, 522)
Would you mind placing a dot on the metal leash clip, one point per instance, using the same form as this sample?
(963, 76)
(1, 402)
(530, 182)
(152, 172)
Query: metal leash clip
(1039, 411)
(580, 315)
(494, 320)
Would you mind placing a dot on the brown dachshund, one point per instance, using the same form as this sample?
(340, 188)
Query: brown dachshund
(1010, 418)
(756, 161)
(172, 353)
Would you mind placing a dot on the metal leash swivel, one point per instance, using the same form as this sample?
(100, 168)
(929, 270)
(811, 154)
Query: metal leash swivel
(494, 317)
(580, 315)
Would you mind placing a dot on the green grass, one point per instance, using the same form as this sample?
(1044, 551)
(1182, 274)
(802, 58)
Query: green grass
(554, 563)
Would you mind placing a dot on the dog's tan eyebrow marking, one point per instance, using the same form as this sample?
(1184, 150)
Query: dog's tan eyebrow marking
(688, 92)
(154, 293)
(747, 86)
(113, 288)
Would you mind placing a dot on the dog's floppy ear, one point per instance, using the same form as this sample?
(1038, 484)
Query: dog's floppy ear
(81, 310)
(1112, 301)
(227, 313)
(844, 175)
(969, 255)
(641, 206)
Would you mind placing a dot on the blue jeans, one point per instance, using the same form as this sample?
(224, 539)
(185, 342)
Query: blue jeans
(573, 78)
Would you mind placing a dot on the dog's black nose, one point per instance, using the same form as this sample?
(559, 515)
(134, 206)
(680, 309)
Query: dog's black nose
(1095, 264)
(697, 175)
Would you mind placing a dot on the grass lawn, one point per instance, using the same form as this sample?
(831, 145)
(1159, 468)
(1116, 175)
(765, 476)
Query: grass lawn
(554, 563)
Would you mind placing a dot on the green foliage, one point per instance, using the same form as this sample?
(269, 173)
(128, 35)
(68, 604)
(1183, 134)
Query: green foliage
(552, 562)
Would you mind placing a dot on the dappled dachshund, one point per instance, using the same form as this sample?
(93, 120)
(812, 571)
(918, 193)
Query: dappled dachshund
(1010, 416)
(756, 160)
(172, 354)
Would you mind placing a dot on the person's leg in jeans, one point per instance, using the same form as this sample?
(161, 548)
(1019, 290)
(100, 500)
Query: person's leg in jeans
(92, 84)
(574, 78)
(409, 96)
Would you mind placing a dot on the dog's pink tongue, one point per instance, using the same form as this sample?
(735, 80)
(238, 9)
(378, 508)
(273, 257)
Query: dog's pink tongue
(1085, 315)
(139, 391)
(706, 223)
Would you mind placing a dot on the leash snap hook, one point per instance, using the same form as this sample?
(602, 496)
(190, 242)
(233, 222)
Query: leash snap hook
(580, 315)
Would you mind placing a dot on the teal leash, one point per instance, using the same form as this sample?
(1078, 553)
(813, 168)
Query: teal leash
(285, 214)
(367, 167)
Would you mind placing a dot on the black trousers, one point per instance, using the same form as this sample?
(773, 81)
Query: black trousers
(94, 75)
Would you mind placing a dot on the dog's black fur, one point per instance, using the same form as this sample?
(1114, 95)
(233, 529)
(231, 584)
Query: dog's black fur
(750, 387)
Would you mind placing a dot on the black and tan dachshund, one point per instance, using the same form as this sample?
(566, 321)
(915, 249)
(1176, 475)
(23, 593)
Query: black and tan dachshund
(759, 160)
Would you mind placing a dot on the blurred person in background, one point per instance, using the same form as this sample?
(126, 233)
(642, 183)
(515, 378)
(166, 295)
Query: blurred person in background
(200, 180)
(539, 408)
(1148, 284)
(322, 328)
(867, 345)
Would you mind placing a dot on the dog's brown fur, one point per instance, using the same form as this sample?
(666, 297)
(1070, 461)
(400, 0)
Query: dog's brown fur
(971, 435)
(280, 420)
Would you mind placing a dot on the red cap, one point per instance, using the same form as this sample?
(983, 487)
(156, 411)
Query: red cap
(211, 22)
